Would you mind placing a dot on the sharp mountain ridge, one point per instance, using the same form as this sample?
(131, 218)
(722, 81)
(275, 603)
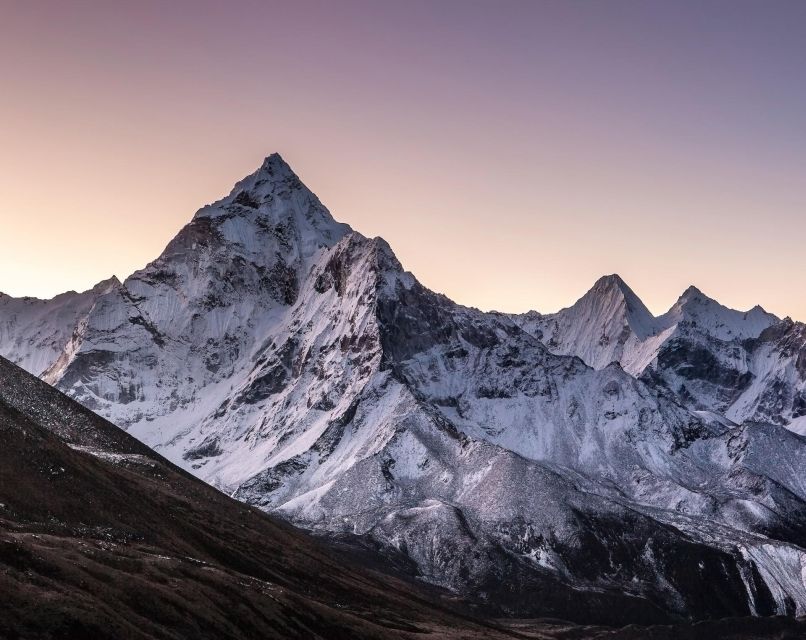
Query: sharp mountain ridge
(597, 464)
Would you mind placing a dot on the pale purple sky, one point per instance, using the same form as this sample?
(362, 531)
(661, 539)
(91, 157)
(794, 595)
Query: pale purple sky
(510, 152)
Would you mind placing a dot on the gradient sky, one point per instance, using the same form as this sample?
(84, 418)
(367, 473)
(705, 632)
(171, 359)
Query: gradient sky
(510, 152)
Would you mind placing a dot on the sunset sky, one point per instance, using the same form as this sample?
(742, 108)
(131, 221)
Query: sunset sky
(510, 152)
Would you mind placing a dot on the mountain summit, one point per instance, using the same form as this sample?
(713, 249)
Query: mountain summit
(601, 327)
(583, 465)
(611, 303)
(694, 307)
(276, 192)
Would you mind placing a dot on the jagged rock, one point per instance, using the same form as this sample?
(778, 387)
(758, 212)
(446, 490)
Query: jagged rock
(293, 363)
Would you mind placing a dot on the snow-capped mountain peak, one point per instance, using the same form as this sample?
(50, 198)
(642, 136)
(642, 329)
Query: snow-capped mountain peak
(600, 327)
(34, 332)
(611, 294)
(692, 292)
(611, 282)
(710, 357)
(292, 362)
(192, 317)
(268, 214)
(272, 176)
(694, 307)
(105, 286)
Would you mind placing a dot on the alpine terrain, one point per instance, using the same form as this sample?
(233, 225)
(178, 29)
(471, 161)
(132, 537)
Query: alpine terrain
(100, 537)
(598, 464)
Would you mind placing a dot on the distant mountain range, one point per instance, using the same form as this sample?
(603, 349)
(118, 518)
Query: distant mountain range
(741, 366)
(598, 464)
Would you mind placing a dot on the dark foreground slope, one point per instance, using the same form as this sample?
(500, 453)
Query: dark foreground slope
(102, 538)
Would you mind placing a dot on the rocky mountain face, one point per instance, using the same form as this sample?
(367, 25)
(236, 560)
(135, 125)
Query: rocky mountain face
(34, 333)
(100, 537)
(597, 464)
(737, 366)
(608, 324)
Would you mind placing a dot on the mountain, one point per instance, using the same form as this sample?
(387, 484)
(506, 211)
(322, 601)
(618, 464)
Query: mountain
(34, 332)
(100, 537)
(776, 392)
(695, 309)
(608, 324)
(192, 318)
(734, 366)
(294, 364)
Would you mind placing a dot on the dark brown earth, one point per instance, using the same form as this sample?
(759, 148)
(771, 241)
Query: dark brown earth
(102, 538)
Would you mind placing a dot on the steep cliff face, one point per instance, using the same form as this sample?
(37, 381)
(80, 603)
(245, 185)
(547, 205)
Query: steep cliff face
(293, 363)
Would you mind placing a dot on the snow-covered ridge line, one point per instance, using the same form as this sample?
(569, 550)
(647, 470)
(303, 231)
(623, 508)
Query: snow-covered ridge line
(745, 365)
(292, 362)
